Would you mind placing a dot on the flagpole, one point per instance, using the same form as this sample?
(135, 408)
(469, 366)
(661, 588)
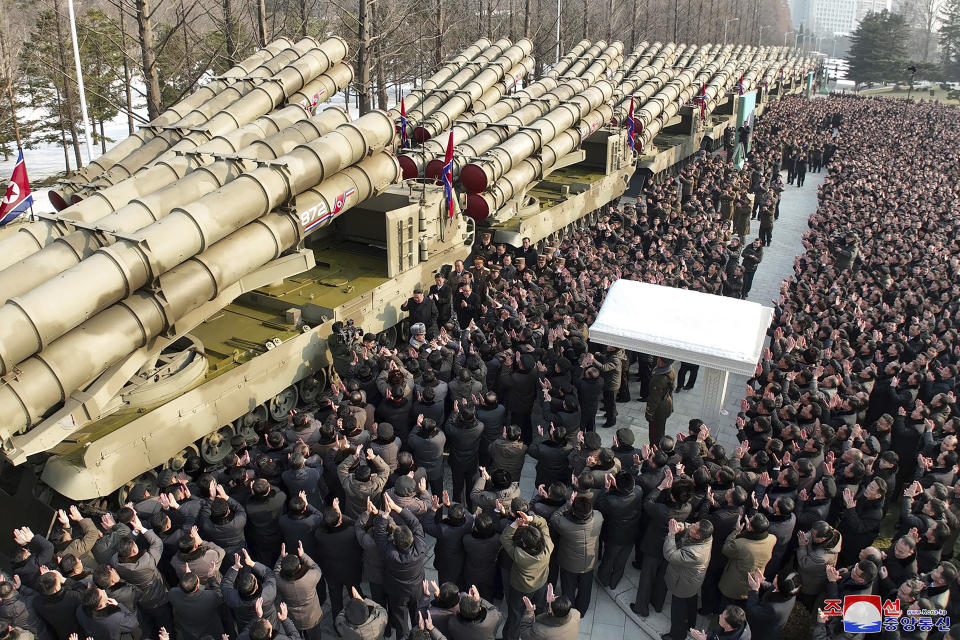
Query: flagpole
(83, 93)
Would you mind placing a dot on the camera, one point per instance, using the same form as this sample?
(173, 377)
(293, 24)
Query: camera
(347, 332)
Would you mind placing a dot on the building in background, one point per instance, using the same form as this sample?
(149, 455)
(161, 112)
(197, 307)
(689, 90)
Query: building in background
(827, 17)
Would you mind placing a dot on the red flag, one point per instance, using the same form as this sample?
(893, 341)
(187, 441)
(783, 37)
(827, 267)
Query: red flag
(404, 143)
(447, 177)
(16, 198)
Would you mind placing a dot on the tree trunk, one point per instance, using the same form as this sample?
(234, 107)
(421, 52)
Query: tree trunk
(438, 36)
(676, 19)
(262, 22)
(363, 56)
(8, 89)
(127, 93)
(700, 16)
(150, 73)
(586, 14)
(303, 19)
(228, 42)
(610, 10)
(63, 132)
(103, 140)
(633, 25)
(526, 18)
(379, 62)
(67, 93)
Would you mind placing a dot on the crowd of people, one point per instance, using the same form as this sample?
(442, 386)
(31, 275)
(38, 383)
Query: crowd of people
(851, 418)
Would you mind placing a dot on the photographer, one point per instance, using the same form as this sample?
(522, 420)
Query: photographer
(342, 345)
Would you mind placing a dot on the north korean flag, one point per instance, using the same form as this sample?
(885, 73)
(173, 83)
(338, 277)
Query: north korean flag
(17, 198)
(447, 176)
(404, 143)
(631, 127)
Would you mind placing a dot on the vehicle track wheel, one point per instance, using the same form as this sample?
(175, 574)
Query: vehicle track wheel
(282, 403)
(214, 447)
(246, 425)
(311, 386)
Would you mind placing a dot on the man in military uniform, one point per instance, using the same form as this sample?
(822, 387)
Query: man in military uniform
(485, 249)
(480, 275)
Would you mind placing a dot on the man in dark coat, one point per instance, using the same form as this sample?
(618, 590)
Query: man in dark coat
(297, 579)
(660, 399)
(731, 626)
(463, 432)
(422, 309)
(442, 296)
(57, 605)
(404, 553)
(103, 618)
(674, 505)
(196, 608)
(139, 568)
(449, 531)
(244, 585)
(339, 555)
(264, 508)
(622, 507)
(590, 391)
(770, 610)
(860, 523)
(519, 383)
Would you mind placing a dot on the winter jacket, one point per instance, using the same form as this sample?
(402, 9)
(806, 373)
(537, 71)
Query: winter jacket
(621, 516)
(244, 609)
(552, 461)
(480, 559)
(769, 613)
(403, 568)
(357, 491)
(463, 443)
(812, 561)
(227, 532)
(371, 629)
(263, 519)
(300, 593)
(197, 614)
(339, 553)
(204, 561)
(486, 498)
(576, 540)
(657, 514)
(59, 611)
(548, 627)
(746, 552)
(483, 628)
(528, 572)
(687, 561)
(141, 571)
(113, 622)
(509, 456)
(428, 453)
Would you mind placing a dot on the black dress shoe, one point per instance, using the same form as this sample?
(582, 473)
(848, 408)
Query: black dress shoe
(642, 399)
(666, 636)
(643, 613)
(635, 564)
(610, 423)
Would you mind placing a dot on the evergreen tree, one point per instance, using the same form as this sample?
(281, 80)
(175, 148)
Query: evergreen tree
(950, 38)
(878, 48)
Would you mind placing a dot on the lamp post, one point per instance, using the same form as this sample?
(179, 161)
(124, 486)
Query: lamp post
(725, 28)
(760, 37)
(785, 36)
